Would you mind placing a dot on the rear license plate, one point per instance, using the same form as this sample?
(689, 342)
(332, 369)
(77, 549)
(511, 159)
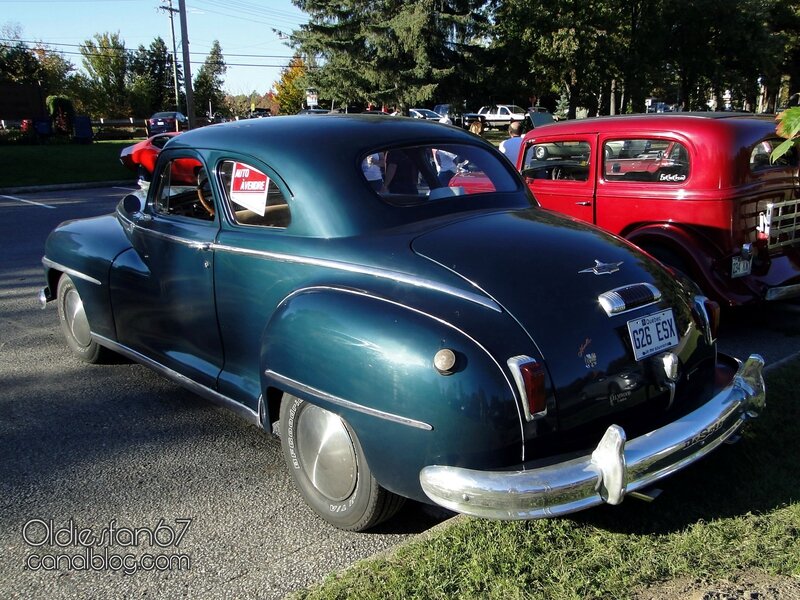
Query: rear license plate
(740, 266)
(653, 333)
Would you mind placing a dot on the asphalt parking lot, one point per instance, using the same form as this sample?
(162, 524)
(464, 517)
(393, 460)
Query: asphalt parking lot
(178, 498)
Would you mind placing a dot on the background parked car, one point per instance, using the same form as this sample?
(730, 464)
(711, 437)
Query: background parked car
(501, 115)
(162, 122)
(424, 113)
(696, 190)
(141, 157)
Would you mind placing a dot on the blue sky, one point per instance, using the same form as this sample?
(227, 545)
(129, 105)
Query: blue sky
(254, 53)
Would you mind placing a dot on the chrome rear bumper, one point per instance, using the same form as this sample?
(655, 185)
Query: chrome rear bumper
(616, 467)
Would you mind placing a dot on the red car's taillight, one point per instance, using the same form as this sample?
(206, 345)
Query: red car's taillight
(529, 376)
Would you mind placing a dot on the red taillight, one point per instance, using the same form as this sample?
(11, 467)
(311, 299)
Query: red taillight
(530, 378)
(713, 312)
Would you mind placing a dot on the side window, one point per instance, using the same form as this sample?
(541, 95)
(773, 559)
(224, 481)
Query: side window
(658, 161)
(567, 160)
(252, 196)
(184, 191)
(760, 156)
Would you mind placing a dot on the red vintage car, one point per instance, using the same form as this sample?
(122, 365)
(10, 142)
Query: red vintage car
(141, 156)
(695, 190)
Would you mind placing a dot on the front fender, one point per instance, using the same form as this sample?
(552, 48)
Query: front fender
(85, 250)
(370, 360)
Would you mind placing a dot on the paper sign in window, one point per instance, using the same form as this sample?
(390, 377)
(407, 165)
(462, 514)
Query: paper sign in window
(249, 188)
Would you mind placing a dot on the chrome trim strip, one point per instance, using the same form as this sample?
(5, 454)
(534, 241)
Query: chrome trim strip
(514, 363)
(438, 320)
(347, 403)
(51, 264)
(333, 264)
(364, 270)
(615, 468)
(783, 293)
(613, 303)
(194, 387)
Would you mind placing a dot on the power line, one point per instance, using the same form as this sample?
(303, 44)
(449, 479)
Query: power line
(130, 50)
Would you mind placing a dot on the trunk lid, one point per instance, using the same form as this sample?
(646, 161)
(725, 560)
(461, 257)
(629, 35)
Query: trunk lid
(547, 272)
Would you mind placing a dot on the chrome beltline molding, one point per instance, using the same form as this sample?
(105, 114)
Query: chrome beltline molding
(51, 264)
(364, 270)
(307, 389)
(331, 264)
(197, 388)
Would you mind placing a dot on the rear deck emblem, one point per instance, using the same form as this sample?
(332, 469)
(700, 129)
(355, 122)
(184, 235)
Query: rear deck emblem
(601, 268)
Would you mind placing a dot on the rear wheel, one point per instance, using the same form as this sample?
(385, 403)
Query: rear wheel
(329, 468)
(75, 324)
(670, 258)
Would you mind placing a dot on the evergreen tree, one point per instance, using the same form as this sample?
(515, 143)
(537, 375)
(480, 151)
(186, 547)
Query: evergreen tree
(209, 97)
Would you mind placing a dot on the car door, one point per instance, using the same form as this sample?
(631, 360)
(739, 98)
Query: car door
(560, 172)
(163, 289)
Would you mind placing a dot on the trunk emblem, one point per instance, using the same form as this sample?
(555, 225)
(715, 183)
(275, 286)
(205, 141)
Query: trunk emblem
(601, 268)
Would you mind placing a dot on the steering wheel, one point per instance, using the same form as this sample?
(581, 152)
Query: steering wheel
(204, 188)
(556, 174)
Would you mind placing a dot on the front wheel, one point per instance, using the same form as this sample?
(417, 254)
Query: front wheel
(329, 468)
(75, 324)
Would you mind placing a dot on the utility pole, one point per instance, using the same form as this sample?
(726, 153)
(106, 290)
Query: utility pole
(187, 69)
(170, 11)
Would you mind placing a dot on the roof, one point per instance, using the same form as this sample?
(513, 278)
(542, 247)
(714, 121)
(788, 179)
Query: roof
(318, 157)
(677, 121)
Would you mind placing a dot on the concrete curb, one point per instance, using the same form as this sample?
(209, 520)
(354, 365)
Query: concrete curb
(25, 189)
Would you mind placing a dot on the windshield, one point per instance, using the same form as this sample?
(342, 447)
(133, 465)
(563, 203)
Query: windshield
(415, 175)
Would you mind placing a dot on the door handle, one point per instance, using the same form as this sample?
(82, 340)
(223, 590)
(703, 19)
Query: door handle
(585, 203)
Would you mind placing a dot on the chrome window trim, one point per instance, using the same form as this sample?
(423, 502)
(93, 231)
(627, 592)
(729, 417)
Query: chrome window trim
(51, 264)
(322, 395)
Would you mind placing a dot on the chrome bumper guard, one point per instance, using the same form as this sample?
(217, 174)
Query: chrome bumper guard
(616, 467)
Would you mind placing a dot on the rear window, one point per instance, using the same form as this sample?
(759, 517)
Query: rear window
(648, 160)
(414, 175)
(760, 156)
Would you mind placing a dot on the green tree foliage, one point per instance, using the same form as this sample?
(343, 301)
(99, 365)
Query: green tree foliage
(150, 79)
(789, 128)
(209, 97)
(17, 63)
(106, 63)
(291, 88)
(388, 52)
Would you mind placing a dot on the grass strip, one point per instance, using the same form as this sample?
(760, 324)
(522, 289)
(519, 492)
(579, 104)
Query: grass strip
(49, 164)
(738, 508)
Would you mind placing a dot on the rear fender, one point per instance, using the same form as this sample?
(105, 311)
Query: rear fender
(370, 360)
(694, 254)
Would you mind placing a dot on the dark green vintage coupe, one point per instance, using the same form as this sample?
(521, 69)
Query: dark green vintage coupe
(405, 337)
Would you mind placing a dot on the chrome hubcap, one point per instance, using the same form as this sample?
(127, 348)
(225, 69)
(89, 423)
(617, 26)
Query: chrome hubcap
(326, 453)
(76, 318)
